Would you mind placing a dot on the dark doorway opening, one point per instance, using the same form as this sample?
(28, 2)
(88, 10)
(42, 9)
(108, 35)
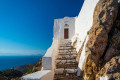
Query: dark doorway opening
(66, 33)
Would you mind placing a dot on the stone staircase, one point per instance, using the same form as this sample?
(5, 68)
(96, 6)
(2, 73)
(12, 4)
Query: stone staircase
(66, 64)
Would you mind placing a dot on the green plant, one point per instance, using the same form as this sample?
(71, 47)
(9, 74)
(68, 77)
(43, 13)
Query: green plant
(29, 70)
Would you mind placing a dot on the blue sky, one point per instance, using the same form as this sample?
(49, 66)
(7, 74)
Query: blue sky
(26, 26)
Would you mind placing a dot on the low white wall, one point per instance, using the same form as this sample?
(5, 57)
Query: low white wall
(40, 75)
(82, 58)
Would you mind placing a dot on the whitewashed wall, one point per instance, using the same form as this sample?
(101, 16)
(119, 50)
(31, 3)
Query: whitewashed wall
(59, 25)
(85, 18)
(82, 26)
(84, 21)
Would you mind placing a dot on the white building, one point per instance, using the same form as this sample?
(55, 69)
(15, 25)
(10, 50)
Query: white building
(66, 29)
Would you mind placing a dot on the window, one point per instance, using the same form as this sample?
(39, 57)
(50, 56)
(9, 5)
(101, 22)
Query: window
(66, 25)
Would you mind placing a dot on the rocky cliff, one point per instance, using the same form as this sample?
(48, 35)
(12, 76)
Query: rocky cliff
(103, 47)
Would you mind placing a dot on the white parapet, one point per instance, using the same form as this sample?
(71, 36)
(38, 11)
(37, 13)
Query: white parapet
(82, 58)
(40, 75)
(47, 63)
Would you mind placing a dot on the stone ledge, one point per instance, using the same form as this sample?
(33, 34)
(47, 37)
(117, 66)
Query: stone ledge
(36, 75)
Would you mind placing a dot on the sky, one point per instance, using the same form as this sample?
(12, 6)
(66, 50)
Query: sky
(26, 26)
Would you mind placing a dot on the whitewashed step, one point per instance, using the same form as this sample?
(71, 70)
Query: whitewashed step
(64, 61)
(67, 56)
(72, 63)
(63, 54)
(65, 48)
(60, 71)
(65, 45)
(66, 52)
(67, 66)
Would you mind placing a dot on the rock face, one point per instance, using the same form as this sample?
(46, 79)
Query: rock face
(114, 45)
(104, 16)
(111, 69)
(114, 40)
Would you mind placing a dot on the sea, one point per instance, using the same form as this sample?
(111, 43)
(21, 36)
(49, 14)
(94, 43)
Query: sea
(9, 62)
